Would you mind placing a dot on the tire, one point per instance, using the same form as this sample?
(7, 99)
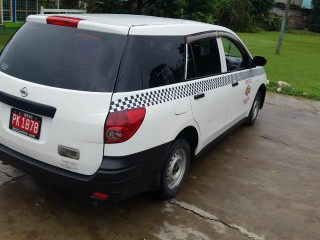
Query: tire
(175, 169)
(254, 109)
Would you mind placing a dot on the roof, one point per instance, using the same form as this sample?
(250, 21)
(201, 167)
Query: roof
(136, 24)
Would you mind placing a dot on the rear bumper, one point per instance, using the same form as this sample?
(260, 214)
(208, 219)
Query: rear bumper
(119, 177)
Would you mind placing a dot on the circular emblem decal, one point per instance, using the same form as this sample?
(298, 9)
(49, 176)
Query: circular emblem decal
(248, 90)
(24, 91)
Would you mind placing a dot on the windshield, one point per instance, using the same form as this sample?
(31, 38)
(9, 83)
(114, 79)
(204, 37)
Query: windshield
(64, 57)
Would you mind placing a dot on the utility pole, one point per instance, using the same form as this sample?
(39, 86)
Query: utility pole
(283, 27)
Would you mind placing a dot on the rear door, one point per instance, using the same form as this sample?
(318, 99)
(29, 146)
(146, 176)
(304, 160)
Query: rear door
(210, 92)
(56, 86)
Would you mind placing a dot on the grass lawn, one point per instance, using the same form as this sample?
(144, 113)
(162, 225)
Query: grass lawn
(298, 64)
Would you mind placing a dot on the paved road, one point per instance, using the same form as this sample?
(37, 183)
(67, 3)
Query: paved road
(261, 182)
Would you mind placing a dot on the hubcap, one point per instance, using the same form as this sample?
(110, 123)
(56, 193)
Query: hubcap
(255, 109)
(176, 169)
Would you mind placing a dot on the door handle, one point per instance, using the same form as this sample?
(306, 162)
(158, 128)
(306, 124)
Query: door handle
(201, 95)
(234, 84)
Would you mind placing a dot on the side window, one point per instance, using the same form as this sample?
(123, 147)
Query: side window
(203, 58)
(152, 61)
(235, 58)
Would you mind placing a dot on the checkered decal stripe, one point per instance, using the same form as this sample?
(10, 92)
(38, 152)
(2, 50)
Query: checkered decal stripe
(171, 93)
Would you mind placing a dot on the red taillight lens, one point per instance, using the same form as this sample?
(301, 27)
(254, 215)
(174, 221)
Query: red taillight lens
(99, 195)
(121, 126)
(64, 21)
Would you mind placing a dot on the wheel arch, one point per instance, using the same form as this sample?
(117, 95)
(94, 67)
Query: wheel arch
(262, 89)
(190, 134)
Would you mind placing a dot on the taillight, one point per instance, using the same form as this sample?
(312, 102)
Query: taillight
(64, 21)
(101, 196)
(121, 126)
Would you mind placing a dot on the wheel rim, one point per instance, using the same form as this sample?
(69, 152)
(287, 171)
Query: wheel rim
(255, 109)
(176, 169)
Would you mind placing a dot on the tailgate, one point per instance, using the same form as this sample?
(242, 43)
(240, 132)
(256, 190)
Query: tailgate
(77, 124)
(56, 84)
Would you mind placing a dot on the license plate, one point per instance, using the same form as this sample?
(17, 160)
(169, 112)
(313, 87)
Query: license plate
(25, 123)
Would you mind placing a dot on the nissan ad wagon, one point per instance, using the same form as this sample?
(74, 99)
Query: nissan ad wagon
(114, 105)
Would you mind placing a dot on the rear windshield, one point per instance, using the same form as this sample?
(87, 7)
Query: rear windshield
(64, 57)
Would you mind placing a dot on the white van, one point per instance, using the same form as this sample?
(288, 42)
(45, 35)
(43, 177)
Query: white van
(114, 105)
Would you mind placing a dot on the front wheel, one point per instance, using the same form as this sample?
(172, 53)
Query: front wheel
(254, 109)
(174, 170)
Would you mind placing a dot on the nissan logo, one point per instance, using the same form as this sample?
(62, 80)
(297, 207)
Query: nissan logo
(24, 91)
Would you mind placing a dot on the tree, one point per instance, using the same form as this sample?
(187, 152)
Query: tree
(164, 8)
(315, 12)
(234, 14)
(199, 10)
(69, 4)
(239, 15)
(157, 7)
(261, 7)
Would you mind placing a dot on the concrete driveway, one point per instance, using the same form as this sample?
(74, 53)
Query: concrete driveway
(262, 182)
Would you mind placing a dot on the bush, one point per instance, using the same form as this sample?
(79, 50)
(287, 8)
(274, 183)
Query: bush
(314, 28)
(271, 23)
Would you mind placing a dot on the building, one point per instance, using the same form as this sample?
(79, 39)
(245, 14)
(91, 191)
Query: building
(17, 10)
(298, 13)
(297, 7)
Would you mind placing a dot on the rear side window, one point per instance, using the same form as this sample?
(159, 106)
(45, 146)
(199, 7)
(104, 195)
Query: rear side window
(152, 61)
(64, 57)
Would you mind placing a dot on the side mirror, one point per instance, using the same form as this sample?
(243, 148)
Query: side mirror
(258, 61)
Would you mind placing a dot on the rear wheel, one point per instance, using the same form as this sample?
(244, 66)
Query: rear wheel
(175, 169)
(254, 109)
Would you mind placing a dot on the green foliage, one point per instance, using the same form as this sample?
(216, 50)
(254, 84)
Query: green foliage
(262, 17)
(110, 6)
(270, 23)
(69, 4)
(240, 15)
(234, 14)
(261, 7)
(245, 15)
(315, 12)
(198, 10)
(165, 8)
(273, 87)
